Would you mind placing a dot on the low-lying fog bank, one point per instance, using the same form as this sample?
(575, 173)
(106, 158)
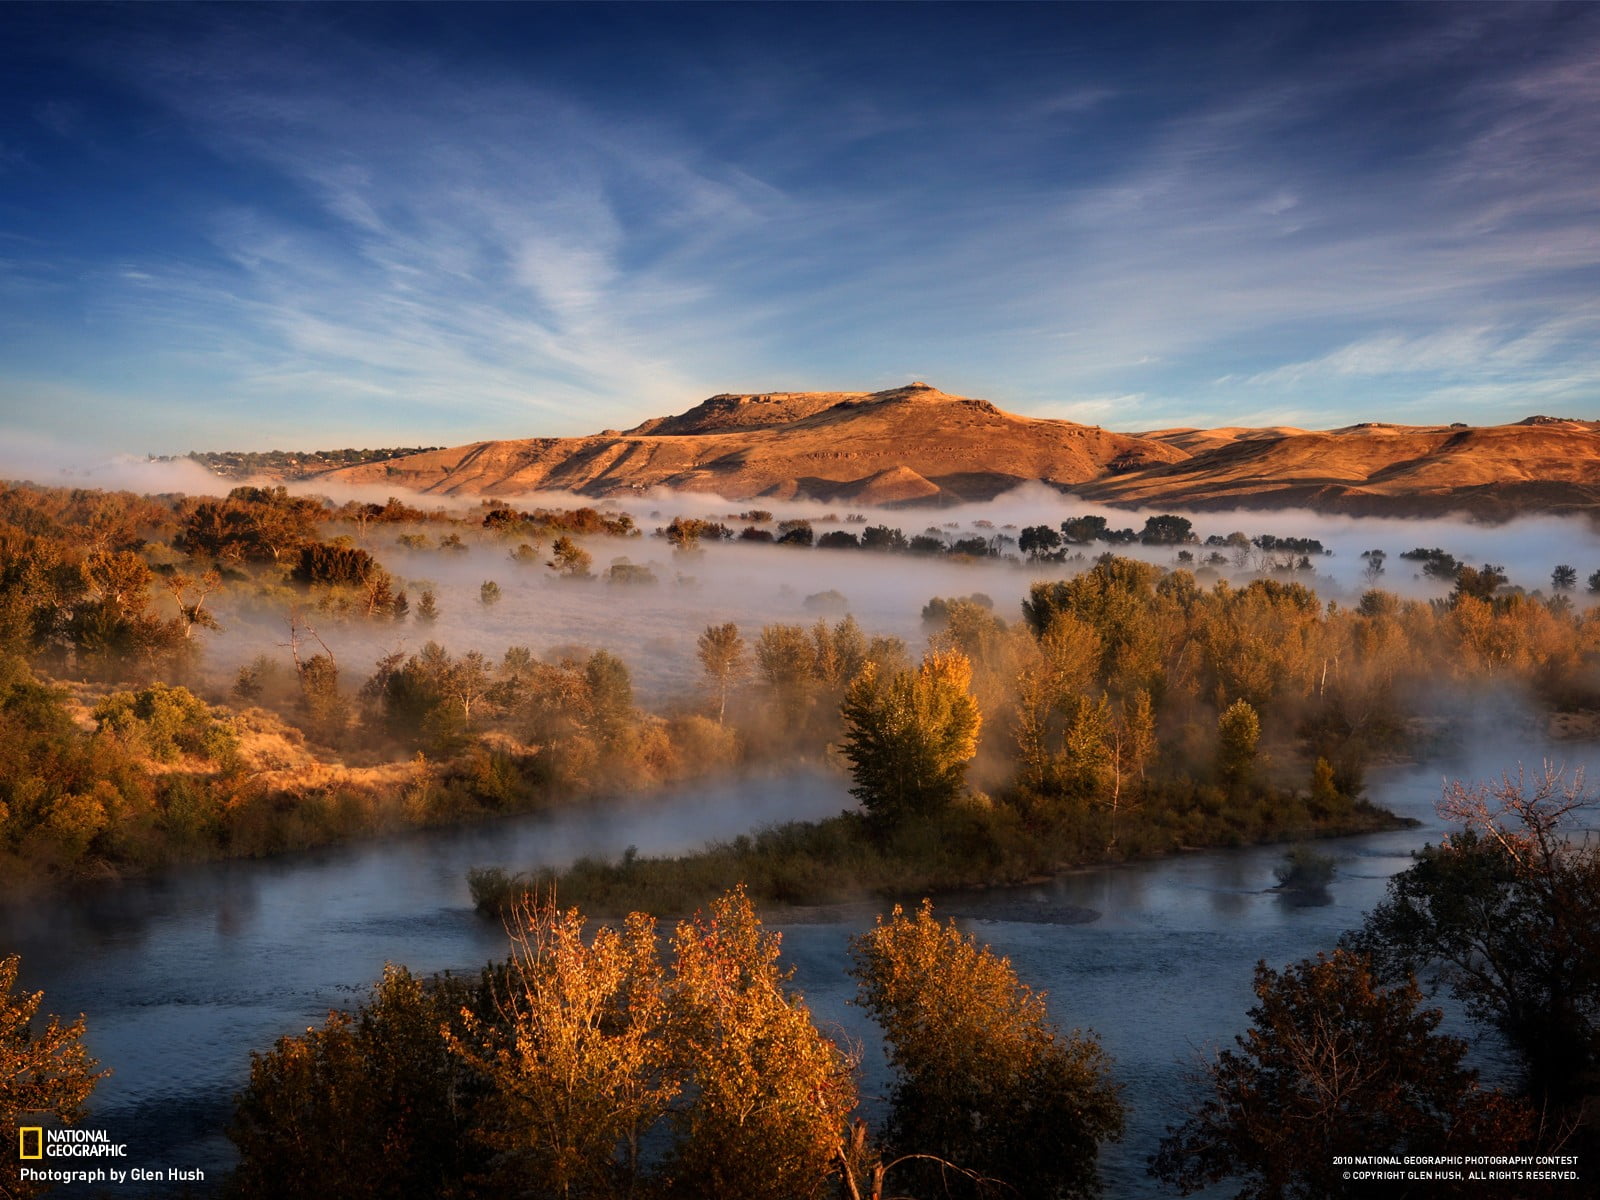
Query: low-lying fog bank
(653, 625)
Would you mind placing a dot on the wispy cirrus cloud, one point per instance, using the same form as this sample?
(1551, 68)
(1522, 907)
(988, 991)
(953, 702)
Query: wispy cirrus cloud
(1483, 352)
(1306, 212)
(468, 249)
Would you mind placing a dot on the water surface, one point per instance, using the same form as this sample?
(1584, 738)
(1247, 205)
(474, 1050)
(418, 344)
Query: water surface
(183, 974)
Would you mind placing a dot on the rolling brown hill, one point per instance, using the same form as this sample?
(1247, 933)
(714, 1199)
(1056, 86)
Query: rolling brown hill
(1497, 471)
(916, 444)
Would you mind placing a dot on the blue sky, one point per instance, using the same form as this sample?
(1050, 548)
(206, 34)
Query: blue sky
(241, 227)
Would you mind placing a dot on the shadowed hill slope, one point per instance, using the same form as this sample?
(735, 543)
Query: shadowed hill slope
(1538, 465)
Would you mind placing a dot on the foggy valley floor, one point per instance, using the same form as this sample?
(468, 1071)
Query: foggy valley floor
(172, 698)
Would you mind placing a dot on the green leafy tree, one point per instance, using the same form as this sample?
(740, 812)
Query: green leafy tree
(1506, 914)
(838, 653)
(726, 660)
(377, 594)
(1326, 798)
(1333, 1065)
(570, 560)
(430, 698)
(324, 706)
(45, 1073)
(909, 735)
(251, 524)
(1114, 598)
(1167, 530)
(217, 529)
(1083, 530)
(1051, 675)
(1238, 734)
(882, 537)
(1087, 756)
(972, 629)
(105, 615)
(404, 691)
(280, 522)
(166, 722)
(983, 1080)
(117, 580)
(627, 574)
(684, 533)
(192, 612)
(58, 788)
(1038, 541)
(1436, 563)
(1132, 741)
(370, 1106)
(796, 532)
(1479, 582)
(1564, 578)
(785, 657)
(610, 695)
(326, 563)
(470, 683)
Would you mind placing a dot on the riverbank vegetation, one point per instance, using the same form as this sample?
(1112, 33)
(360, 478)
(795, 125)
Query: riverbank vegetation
(1123, 711)
(1129, 712)
(1333, 1066)
(611, 1062)
(1342, 1056)
(591, 1064)
(968, 844)
(122, 750)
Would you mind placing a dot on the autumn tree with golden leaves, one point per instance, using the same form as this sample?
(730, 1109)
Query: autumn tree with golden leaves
(45, 1073)
(983, 1081)
(772, 1097)
(594, 1047)
(572, 1055)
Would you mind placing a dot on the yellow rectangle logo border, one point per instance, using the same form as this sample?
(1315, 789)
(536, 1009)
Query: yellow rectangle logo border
(38, 1141)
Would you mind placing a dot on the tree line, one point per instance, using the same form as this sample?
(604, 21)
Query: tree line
(1128, 712)
(602, 1063)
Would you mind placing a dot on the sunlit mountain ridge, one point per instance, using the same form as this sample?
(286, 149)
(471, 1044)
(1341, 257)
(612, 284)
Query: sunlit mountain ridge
(919, 445)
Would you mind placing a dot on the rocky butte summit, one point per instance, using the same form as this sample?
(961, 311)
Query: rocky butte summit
(918, 445)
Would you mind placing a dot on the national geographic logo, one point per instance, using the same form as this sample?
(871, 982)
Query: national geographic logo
(34, 1142)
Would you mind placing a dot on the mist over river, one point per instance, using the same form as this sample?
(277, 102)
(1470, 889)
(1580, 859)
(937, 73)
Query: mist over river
(181, 975)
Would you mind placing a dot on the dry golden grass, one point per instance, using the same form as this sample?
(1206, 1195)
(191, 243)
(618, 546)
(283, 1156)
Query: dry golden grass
(917, 444)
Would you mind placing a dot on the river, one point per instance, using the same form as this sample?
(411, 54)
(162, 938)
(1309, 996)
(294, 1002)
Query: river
(182, 974)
